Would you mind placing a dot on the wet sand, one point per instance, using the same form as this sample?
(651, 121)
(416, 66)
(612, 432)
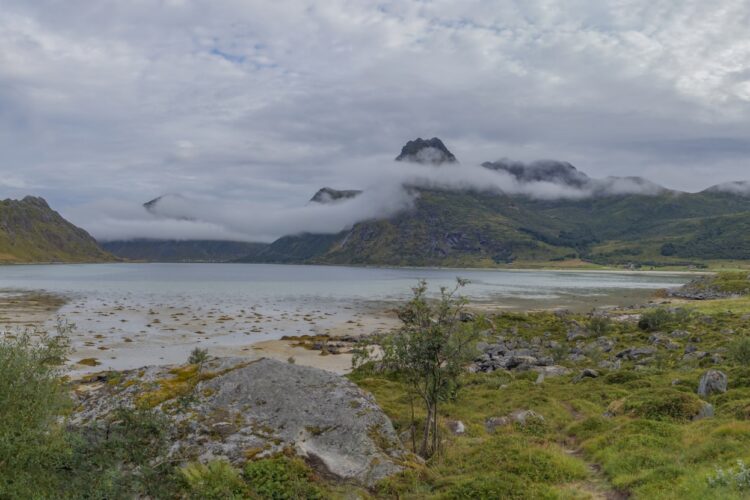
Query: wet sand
(132, 331)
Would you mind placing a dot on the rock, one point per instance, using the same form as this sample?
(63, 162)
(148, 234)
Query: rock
(429, 151)
(467, 317)
(493, 423)
(456, 426)
(633, 353)
(679, 334)
(577, 332)
(524, 417)
(520, 417)
(707, 411)
(610, 365)
(263, 404)
(712, 382)
(552, 371)
(694, 356)
(586, 373)
(690, 348)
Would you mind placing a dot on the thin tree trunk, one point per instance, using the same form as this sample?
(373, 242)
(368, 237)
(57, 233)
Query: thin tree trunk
(413, 429)
(426, 436)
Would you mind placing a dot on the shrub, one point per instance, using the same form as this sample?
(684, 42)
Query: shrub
(599, 324)
(739, 351)
(659, 318)
(659, 404)
(281, 478)
(215, 480)
(32, 398)
(120, 458)
(736, 477)
(198, 356)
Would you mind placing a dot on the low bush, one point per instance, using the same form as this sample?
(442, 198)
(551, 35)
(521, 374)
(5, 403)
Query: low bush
(658, 404)
(281, 478)
(739, 351)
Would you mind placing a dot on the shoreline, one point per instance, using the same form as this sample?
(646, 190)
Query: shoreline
(124, 330)
(541, 268)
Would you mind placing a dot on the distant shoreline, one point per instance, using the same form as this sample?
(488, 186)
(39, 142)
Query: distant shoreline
(603, 270)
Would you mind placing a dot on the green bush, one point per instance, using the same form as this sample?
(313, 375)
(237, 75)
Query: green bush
(216, 480)
(659, 318)
(120, 458)
(281, 478)
(739, 351)
(599, 324)
(32, 397)
(659, 404)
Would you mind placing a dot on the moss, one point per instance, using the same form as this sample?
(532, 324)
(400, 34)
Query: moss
(658, 404)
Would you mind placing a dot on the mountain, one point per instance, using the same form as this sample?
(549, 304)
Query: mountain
(556, 172)
(430, 151)
(181, 250)
(30, 232)
(616, 220)
(329, 195)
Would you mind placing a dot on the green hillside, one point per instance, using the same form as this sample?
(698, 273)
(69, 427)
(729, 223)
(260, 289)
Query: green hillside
(181, 250)
(30, 231)
(464, 228)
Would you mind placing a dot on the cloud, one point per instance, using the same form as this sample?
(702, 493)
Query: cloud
(259, 104)
(388, 188)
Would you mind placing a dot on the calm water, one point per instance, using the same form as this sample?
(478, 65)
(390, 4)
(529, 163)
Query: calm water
(243, 283)
(130, 315)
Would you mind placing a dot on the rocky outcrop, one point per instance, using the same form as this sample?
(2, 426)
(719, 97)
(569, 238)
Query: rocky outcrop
(556, 172)
(712, 382)
(330, 195)
(234, 409)
(430, 151)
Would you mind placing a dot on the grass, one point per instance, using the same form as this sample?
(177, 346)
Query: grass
(635, 424)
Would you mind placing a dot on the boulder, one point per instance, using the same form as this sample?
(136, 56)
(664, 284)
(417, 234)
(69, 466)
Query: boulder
(586, 373)
(712, 382)
(520, 417)
(456, 427)
(634, 353)
(236, 405)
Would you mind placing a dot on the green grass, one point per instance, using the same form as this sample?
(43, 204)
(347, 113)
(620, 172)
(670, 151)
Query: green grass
(634, 424)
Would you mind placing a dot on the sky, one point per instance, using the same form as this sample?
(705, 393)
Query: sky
(245, 108)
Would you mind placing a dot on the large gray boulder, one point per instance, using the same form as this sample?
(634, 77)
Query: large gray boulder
(259, 408)
(712, 382)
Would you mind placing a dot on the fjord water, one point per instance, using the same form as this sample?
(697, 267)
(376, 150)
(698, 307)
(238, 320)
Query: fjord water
(129, 315)
(235, 283)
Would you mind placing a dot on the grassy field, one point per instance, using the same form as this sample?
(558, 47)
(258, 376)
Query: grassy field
(630, 431)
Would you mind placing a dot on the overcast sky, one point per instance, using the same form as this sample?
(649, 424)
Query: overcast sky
(250, 106)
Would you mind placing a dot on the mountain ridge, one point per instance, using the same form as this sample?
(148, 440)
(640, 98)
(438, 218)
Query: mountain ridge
(31, 232)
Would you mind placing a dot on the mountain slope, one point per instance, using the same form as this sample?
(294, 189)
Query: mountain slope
(617, 220)
(181, 250)
(30, 231)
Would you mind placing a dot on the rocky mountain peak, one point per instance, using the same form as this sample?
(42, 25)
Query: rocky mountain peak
(36, 201)
(426, 151)
(329, 195)
(556, 172)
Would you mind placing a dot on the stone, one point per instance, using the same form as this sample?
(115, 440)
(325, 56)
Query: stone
(520, 417)
(456, 427)
(633, 353)
(586, 373)
(679, 334)
(263, 404)
(712, 382)
(707, 411)
(552, 370)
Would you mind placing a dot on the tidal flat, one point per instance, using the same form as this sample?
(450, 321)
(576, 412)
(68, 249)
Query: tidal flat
(132, 315)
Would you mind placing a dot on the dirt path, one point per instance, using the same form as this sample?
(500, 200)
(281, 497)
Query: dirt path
(597, 486)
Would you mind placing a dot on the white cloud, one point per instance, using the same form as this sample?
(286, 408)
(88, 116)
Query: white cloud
(266, 102)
